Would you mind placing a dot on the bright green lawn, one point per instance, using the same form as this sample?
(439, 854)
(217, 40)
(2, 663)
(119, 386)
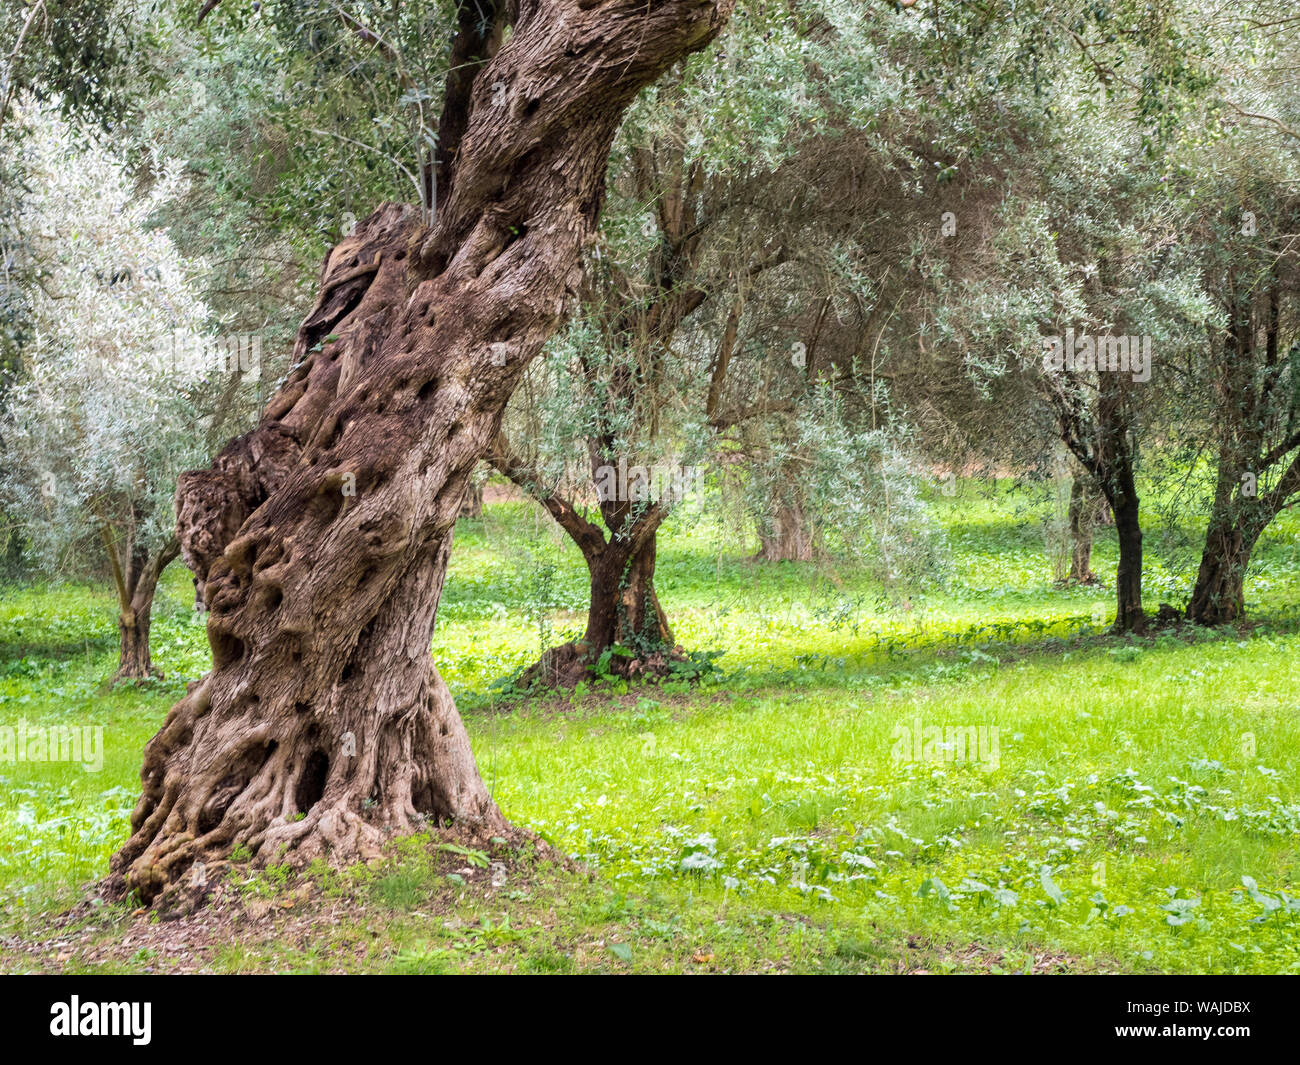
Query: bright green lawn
(1143, 814)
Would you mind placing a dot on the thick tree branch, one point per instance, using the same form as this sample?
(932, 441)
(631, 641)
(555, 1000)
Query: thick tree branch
(509, 463)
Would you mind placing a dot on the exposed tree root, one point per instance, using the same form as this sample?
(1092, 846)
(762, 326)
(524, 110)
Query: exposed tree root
(566, 666)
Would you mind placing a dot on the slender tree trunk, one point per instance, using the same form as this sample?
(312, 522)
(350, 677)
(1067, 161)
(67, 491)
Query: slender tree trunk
(11, 70)
(1082, 514)
(321, 539)
(1129, 615)
(136, 584)
(1103, 442)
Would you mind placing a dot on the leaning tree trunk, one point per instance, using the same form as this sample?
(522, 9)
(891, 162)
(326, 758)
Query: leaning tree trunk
(321, 539)
(1219, 595)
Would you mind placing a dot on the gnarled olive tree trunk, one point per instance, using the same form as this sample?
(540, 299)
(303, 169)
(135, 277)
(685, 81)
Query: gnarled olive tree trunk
(1253, 451)
(624, 607)
(623, 611)
(321, 539)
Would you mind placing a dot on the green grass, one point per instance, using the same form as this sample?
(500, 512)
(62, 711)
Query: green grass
(1142, 814)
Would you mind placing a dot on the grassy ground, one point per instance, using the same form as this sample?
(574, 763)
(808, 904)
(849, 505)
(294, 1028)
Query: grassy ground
(1139, 811)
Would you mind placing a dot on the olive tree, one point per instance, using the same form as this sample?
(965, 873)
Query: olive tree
(107, 406)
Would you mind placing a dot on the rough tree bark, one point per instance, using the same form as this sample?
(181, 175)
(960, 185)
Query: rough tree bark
(1236, 524)
(321, 539)
(1219, 595)
(625, 608)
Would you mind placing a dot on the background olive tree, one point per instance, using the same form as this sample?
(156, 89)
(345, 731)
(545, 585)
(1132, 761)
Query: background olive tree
(120, 386)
